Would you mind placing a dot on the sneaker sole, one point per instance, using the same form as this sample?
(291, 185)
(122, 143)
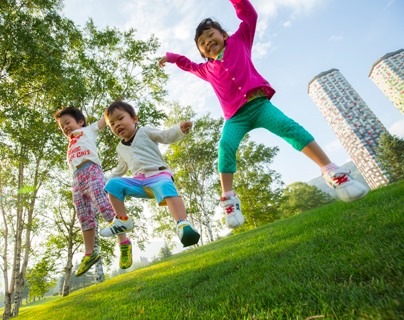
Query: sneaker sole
(190, 237)
(358, 198)
(83, 272)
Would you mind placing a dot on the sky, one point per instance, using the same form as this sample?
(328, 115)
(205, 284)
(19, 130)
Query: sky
(295, 40)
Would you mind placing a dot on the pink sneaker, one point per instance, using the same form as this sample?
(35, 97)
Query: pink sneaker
(232, 208)
(348, 189)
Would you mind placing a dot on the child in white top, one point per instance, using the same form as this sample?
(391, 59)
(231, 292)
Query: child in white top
(88, 180)
(138, 152)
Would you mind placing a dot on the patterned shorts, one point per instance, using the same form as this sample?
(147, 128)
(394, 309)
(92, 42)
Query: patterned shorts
(89, 194)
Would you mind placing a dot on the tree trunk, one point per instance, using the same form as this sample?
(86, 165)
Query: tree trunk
(18, 241)
(69, 264)
(201, 233)
(207, 222)
(68, 273)
(7, 305)
(19, 286)
(99, 272)
(255, 222)
(7, 300)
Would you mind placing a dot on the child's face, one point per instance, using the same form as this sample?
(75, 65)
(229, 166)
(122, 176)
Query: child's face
(68, 124)
(122, 124)
(211, 42)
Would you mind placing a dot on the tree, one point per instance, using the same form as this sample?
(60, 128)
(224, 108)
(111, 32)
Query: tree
(391, 155)
(299, 197)
(256, 184)
(165, 252)
(34, 40)
(38, 277)
(193, 160)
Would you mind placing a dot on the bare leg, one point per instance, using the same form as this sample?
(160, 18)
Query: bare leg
(119, 208)
(227, 181)
(315, 153)
(118, 205)
(89, 239)
(176, 207)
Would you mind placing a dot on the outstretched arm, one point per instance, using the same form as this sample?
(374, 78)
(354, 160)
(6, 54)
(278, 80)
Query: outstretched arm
(168, 136)
(185, 64)
(101, 123)
(246, 13)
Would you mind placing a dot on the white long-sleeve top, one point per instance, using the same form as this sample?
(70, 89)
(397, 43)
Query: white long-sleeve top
(143, 155)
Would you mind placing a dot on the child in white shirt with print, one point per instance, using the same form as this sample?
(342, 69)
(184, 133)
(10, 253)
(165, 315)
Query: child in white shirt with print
(88, 184)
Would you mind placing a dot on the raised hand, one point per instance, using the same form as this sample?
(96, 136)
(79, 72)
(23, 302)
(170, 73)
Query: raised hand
(185, 126)
(163, 61)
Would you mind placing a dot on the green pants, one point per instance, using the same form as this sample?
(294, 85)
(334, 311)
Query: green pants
(258, 113)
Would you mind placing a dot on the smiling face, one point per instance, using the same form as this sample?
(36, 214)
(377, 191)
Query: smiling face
(211, 42)
(122, 124)
(68, 124)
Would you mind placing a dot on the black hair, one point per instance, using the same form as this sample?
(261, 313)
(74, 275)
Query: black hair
(119, 104)
(205, 25)
(72, 111)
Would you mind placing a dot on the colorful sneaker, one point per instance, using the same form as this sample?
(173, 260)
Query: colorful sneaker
(232, 207)
(86, 263)
(125, 260)
(116, 227)
(348, 189)
(187, 233)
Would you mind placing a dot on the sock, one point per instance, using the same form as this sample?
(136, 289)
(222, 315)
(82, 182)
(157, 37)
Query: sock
(125, 242)
(329, 167)
(228, 194)
(122, 218)
(180, 221)
(88, 254)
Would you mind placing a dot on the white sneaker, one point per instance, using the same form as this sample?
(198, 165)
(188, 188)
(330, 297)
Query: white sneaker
(232, 207)
(348, 189)
(187, 233)
(116, 227)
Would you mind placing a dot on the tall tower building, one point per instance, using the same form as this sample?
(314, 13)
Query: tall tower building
(353, 122)
(388, 74)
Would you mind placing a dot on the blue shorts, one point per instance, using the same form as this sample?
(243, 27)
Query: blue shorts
(159, 187)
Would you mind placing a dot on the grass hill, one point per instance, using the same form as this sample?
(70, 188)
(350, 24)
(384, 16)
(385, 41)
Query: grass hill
(340, 261)
(320, 183)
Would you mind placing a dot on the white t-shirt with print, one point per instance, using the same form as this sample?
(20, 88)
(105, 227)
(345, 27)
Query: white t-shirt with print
(83, 146)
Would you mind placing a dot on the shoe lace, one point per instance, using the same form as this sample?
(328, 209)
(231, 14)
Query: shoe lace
(341, 179)
(229, 209)
(124, 251)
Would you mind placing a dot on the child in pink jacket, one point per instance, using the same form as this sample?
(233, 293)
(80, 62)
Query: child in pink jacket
(245, 99)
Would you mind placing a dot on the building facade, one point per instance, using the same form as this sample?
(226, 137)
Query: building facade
(353, 122)
(388, 74)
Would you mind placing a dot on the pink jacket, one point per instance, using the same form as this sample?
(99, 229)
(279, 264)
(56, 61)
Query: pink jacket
(233, 78)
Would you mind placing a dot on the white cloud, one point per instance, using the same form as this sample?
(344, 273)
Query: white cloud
(336, 38)
(270, 8)
(333, 147)
(287, 24)
(187, 89)
(261, 29)
(260, 50)
(398, 128)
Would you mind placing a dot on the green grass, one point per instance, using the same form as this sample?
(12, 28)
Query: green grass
(341, 261)
(25, 307)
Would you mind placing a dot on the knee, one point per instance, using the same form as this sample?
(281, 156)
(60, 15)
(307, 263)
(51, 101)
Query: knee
(112, 183)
